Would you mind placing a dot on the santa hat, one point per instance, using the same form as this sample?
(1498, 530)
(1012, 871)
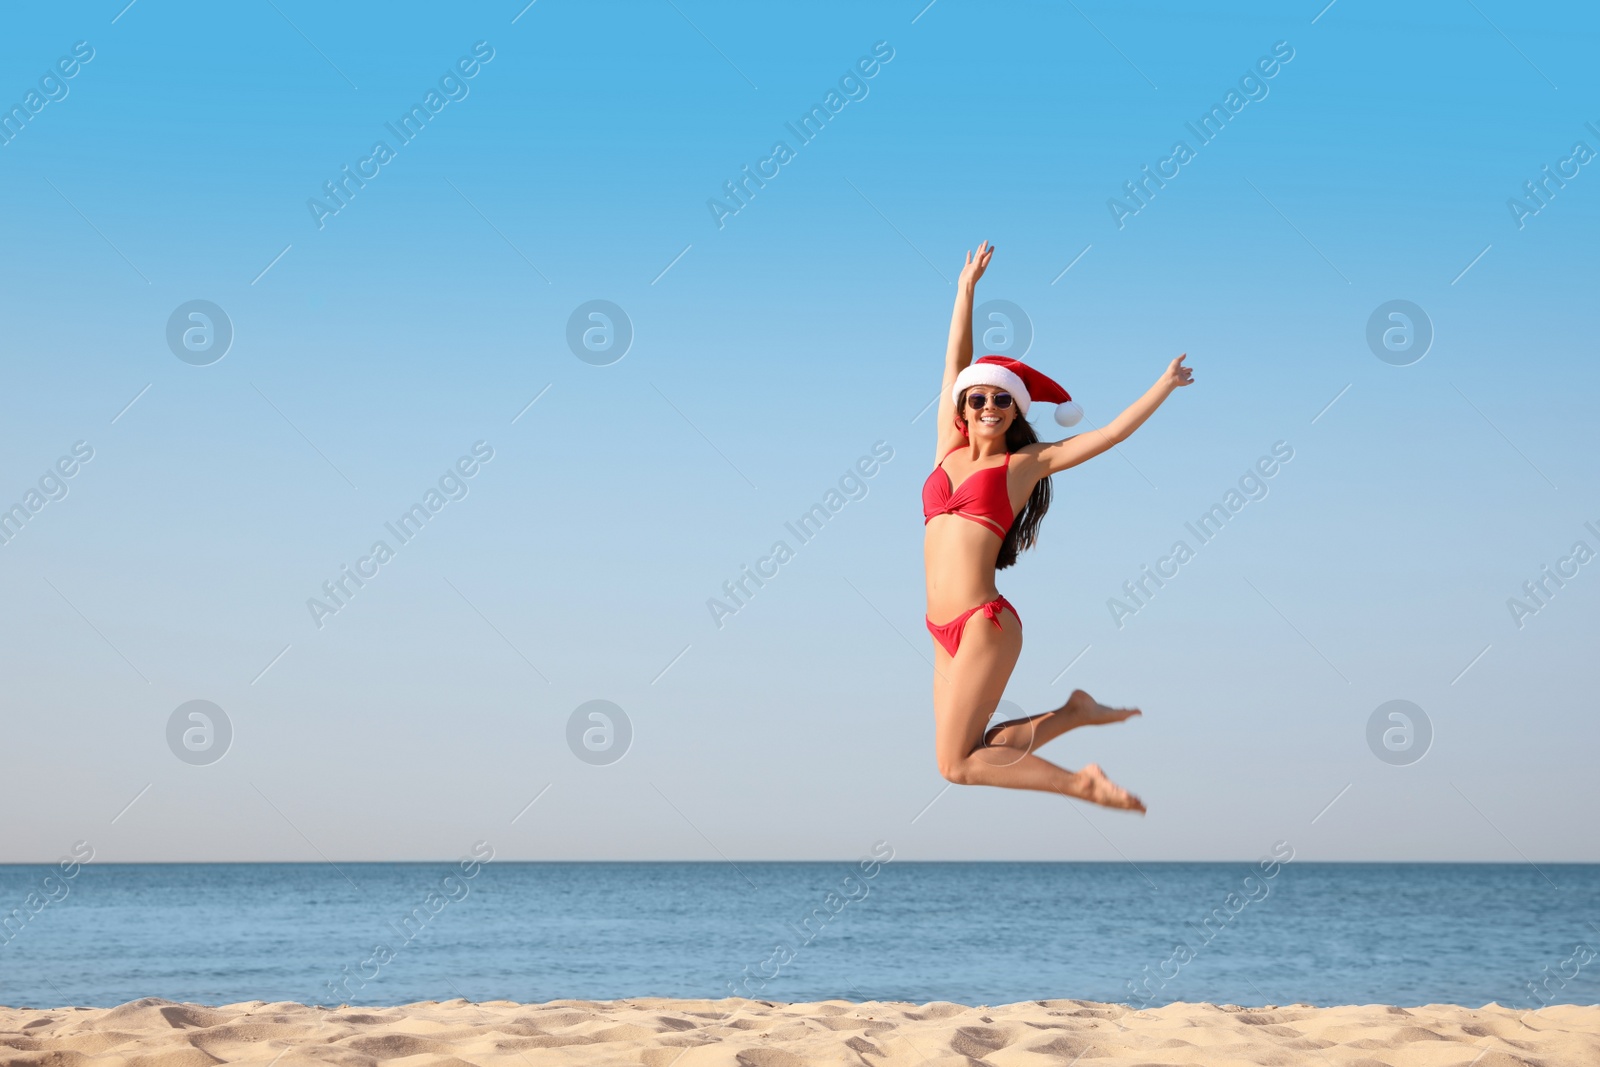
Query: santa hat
(1022, 382)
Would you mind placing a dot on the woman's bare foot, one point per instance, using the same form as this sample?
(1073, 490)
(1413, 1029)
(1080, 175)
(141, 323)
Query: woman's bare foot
(1095, 787)
(1084, 710)
(1081, 709)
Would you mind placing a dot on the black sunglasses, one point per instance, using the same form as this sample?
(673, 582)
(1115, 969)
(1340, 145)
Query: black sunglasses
(975, 401)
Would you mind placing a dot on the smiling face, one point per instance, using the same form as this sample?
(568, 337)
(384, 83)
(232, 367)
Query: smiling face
(989, 421)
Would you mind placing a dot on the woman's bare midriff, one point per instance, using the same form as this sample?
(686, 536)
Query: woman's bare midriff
(959, 556)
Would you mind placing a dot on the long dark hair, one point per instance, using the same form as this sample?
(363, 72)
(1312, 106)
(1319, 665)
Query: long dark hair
(1024, 532)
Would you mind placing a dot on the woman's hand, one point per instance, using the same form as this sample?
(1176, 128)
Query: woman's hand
(1177, 374)
(976, 265)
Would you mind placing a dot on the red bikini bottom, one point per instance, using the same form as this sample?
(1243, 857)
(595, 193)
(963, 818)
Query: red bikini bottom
(949, 634)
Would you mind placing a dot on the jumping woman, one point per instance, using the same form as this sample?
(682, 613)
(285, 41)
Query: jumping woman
(983, 503)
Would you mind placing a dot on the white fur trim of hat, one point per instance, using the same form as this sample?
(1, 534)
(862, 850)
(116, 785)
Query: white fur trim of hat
(995, 375)
(1012, 375)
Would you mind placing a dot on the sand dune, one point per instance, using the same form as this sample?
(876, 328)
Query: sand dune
(748, 1033)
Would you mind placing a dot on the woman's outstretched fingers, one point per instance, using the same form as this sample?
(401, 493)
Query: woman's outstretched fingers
(977, 262)
(1177, 374)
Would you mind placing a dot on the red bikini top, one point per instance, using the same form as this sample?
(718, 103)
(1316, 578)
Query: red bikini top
(981, 497)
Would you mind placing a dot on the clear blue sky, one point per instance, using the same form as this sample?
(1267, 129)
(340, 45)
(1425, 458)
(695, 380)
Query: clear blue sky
(574, 164)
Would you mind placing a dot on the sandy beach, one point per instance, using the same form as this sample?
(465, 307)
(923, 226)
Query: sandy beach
(658, 1032)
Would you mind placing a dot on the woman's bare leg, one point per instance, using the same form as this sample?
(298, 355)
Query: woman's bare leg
(966, 690)
(1029, 733)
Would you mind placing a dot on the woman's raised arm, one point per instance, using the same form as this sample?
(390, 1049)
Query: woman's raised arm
(1059, 455)
(958, 350)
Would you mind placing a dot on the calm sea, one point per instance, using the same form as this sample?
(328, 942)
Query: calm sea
(974, 933)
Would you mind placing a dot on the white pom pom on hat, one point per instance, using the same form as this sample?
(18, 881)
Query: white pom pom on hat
(1024, 382)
